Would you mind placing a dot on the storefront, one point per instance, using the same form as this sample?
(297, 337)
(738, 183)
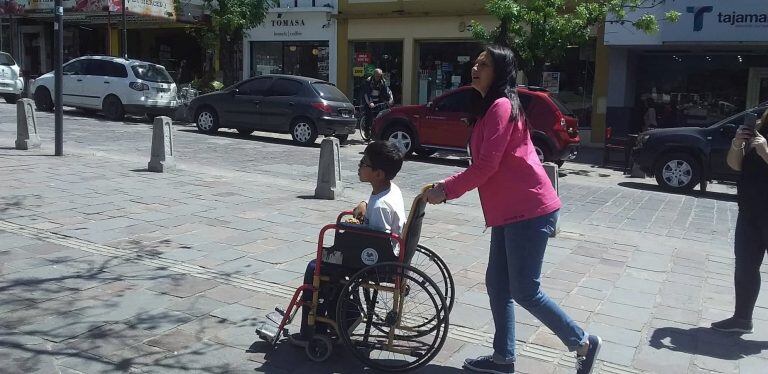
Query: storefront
(295, 41)
(421, 57)
(709, 65)
(93, 27)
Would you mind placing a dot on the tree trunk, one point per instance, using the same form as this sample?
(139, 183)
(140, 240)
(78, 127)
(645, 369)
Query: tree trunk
(226, 63)
(535, 73)
(502, 34)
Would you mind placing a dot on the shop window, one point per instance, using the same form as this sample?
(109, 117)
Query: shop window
(307, 59)
(575, 82)
(445, 66)
(255, 87)
(285, 87)
(367, 56)
(693, 89)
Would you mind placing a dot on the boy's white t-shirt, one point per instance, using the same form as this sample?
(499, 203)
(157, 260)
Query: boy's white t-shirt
(386, 211)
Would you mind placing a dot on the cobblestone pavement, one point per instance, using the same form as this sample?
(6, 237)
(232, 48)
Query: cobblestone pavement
(107, 268)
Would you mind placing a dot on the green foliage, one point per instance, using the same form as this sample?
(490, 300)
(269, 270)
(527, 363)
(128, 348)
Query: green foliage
(540, 31)
(232, 17)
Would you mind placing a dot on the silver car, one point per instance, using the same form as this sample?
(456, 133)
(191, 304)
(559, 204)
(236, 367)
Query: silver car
(11, 82)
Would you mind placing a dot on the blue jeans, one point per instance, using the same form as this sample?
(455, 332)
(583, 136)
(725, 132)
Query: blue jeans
(514, 275)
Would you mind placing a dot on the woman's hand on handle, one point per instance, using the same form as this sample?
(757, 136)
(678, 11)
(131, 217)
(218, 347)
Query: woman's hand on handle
(436, 194)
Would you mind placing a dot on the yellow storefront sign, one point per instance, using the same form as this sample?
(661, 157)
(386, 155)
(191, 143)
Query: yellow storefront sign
(358, 71)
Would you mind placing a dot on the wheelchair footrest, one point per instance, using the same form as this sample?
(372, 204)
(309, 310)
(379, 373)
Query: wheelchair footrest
(268, 331)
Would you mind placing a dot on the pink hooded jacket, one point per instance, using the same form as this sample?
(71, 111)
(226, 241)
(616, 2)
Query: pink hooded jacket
(505, 169)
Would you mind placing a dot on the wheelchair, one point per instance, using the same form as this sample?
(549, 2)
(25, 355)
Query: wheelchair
(391, 311)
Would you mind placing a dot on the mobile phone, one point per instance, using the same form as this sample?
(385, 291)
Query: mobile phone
(750, 121)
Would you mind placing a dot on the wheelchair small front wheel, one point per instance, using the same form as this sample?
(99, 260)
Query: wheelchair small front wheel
(319, 348)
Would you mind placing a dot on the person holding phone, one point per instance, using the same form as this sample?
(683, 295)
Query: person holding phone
(749, 156)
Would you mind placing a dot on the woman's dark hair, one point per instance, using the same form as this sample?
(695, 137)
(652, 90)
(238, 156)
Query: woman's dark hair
(504, 79)
(385, 156)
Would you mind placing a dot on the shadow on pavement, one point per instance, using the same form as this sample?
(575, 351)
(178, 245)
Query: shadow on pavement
(293, 359)
(106, 314)
(720, 196)
(704, 341)
(258, 138)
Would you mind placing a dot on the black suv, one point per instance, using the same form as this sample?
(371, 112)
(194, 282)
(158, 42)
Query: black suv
(682, 157)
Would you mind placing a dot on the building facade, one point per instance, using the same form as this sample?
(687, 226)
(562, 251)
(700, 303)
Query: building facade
(297, 38)
(424, 47)
(710, 64)
(156, 32)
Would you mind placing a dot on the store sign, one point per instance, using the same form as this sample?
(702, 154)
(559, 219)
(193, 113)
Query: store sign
(358, 71)
(551, 81)
(369, 69)
(292, 26)
(362, 58)
(36, 5)
(700, 21)
(152, 8)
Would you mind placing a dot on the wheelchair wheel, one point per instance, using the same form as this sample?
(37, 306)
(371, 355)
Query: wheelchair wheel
(319, 348)
(434, 267)
(377, 310)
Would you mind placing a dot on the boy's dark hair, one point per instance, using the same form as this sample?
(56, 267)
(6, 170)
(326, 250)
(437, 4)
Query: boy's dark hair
(385, 156)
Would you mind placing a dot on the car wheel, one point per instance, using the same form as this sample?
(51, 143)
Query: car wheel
(677, 172)
(43, 100)
(343, 138)
(113, 108)
(425, 152)
(207, 120)
(11, 99)
(542, 151)
(402, 137)
(303, 131)
(245, 132)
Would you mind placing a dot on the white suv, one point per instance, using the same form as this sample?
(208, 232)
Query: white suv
(11, 82)
(112, 85)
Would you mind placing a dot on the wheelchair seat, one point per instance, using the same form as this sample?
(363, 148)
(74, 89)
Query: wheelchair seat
(356, 246)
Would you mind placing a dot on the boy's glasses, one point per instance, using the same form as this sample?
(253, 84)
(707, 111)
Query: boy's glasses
(364, 164)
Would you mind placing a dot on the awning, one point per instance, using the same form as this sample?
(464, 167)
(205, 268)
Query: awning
(137, 10)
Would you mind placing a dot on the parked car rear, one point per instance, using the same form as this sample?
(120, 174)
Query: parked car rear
(112, 85)
(11, 81)
(304, 107)
(444, 124)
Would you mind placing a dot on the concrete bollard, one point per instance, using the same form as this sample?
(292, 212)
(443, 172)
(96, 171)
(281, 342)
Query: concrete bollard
(26, 125)
(162, 146)
(329, 185)
(553, 174)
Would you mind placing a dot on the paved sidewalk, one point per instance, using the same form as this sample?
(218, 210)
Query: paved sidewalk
(107, 268)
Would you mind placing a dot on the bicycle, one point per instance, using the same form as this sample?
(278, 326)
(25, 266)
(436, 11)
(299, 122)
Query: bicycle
(362, 124)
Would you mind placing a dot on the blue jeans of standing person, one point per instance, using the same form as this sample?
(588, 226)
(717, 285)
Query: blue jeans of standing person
(514, 275)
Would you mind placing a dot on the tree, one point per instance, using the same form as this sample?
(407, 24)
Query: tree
(230, 19)
(539, 31)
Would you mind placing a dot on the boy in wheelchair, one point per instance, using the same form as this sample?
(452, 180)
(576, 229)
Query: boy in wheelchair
(384, 211)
